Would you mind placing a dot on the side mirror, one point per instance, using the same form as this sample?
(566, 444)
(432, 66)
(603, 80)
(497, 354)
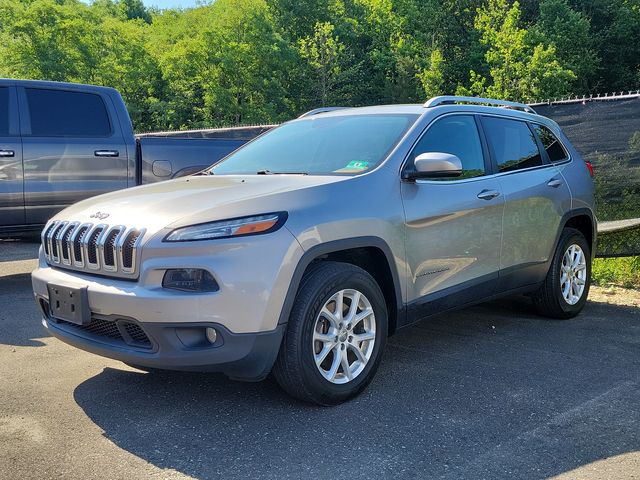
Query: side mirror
(434, 165)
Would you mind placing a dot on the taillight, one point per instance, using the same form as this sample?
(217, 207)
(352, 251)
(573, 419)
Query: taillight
(590, 168)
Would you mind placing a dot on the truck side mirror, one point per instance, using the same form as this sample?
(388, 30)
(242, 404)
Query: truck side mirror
(434, 165)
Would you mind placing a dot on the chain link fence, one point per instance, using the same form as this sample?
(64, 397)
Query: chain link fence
(606, 132)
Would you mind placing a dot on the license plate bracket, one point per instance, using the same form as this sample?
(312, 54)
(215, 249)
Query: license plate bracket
(70, 304)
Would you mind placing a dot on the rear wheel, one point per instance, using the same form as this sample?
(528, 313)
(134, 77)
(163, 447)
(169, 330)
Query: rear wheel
(335, 336)
(566, 287)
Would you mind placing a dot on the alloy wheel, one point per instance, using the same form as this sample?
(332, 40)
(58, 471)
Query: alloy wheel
(344, 336)
(573, 275)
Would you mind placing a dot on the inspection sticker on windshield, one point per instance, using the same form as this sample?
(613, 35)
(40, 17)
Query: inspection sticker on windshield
(354, 166)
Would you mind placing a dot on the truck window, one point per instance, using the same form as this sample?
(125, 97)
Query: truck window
(4, 111)
(60, 113)
(457, 135)
(513, 143)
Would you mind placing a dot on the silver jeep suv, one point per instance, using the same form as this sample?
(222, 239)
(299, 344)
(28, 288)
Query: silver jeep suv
(301, 252)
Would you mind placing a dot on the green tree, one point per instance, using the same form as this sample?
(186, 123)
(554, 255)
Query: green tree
(519, 68)
(615, 29)
(234, 61)
(432, 78)
(223, 64)
(48, 40)
(570, 32)
(324, 52)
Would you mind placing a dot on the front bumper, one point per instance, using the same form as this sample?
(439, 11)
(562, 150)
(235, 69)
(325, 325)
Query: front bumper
(141, 323)
(171, 346)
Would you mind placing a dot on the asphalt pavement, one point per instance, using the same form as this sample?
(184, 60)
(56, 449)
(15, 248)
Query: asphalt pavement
(493, 392)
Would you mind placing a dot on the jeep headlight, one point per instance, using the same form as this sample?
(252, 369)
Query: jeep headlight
(236, 227)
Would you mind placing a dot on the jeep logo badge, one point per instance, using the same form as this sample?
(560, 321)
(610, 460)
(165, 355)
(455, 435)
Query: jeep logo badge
(99, 215)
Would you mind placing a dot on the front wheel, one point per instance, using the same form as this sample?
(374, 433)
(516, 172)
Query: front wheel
(335, 336)
(566, 287)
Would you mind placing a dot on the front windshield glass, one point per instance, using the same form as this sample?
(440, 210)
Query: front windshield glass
(346, 144)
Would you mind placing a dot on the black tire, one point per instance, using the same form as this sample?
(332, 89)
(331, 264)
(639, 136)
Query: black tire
(549, 300)
(295, 369)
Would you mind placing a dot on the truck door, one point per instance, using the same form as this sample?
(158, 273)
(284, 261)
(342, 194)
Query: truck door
(73, 148)
(453, 225)
(11, 193)
(536, 197)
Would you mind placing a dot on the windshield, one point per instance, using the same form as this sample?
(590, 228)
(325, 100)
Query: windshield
(346, 144)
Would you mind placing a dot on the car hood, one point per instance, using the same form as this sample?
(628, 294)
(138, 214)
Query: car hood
(195, 199)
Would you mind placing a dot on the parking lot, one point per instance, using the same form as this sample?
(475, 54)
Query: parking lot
(490, 392)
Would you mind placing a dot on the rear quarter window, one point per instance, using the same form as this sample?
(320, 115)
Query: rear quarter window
(60, 113)
(555, 149)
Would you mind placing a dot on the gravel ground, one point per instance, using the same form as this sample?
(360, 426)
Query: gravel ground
(489, 392)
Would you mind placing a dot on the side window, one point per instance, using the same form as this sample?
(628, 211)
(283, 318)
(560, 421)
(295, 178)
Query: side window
(60, 113)
(456, 135)
(551, 144)
(4, 111)
(513, 144)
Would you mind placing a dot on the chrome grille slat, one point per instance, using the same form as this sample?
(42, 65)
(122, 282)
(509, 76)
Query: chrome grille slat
(64, 245)
(108, 248)
(76, 240)
(127, 248)
(45, 237)
(90, 244)
(111, 250)
(53, 241)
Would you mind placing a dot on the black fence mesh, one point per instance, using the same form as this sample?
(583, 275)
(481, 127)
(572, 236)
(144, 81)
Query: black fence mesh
(607, 134)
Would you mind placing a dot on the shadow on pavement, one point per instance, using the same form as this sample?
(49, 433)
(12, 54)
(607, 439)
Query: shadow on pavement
(488, 392)
(16, 249)
(19, 315)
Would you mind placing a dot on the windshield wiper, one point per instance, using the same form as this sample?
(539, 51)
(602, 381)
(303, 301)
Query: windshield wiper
(269, 172)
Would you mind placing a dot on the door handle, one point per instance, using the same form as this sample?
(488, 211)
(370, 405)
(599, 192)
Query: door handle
(7, 153)
(106, 153)
(488, 194)
(554, 182)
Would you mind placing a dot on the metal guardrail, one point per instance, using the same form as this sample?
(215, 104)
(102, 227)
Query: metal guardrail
(618, 238)
(618, 225)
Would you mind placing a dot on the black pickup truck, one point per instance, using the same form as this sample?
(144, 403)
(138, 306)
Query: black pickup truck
(62, 142)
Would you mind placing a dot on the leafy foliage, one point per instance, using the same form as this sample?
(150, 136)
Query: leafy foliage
(254, 61)
(624, 271)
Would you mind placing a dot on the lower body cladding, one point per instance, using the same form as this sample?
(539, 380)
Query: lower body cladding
(171, 346)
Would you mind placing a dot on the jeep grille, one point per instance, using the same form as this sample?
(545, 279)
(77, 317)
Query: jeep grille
(101, 249)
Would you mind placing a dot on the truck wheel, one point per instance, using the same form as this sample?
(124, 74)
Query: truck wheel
(566, 286)
(335, 336)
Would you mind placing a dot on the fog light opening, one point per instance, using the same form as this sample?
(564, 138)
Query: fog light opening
(212, 335)
(189, 280)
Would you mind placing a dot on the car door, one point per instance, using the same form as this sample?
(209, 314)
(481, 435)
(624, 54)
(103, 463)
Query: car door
(536, 197)
(71, 149)
(11, 193)
(453, 225)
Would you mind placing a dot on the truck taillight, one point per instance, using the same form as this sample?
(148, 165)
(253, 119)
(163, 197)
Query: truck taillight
(590, 168)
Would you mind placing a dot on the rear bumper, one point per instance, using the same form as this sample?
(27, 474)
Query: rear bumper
(174, 346)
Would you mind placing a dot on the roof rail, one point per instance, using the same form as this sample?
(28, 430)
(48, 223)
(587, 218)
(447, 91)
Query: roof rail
(447, 99)
(316, 111)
